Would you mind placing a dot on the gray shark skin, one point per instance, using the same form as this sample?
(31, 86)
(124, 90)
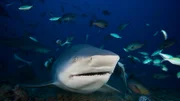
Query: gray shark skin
(23, 43)
(83, 69)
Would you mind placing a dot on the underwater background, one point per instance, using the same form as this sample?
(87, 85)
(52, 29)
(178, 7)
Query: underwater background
(143, 18)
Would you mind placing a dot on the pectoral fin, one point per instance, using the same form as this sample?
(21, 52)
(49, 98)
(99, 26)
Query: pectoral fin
(36, 86)
(108, 89)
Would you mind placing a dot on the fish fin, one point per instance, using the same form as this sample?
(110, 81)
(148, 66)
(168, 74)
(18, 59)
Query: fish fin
(164, 60)
(91, 23)
(107, 88)
(125, 50)
(139, 91)
(124, 76)
(36, 86)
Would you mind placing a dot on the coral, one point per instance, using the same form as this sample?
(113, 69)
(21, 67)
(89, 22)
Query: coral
(20, 94)
(6, 92)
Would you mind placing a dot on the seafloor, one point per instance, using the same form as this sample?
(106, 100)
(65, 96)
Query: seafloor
(10, 92)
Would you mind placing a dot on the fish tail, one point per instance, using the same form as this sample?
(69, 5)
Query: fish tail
(91, 23)
(60, 42)
(164, 57)
(125, 50)
(164, 60)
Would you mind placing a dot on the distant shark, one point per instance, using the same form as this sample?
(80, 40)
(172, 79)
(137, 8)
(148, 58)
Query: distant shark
(24, 43)
(83, 69)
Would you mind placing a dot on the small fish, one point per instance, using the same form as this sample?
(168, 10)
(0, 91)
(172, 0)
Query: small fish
(24, 43)
(165, 55)
(48, 64)
(160, 76)
(134, 58)
(156, 52)
(54, 18)
(122, 26)
(11, 3)
(164, 68)
(115, 35)
(156, 61)
(171, 59)
(158, 65)
(156, 33)
(133, 46)
(67, 42)
(146, 57)
(67, 17)
(99, 23)
(147, 61)
(178, 75)
(147, 25)
(106, 12)
(143, 53)
(25, 7)
(34, 39)
(20, 59)
(165, 34)
(137, 87)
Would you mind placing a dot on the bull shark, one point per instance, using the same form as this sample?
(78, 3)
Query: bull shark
(24, 43)
(83, 69)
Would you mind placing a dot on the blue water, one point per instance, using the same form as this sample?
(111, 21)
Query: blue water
(160, 14)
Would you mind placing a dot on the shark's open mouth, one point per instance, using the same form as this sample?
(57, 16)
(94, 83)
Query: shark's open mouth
(92, 74)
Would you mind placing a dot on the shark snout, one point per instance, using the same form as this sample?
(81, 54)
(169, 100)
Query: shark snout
(104, 61)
